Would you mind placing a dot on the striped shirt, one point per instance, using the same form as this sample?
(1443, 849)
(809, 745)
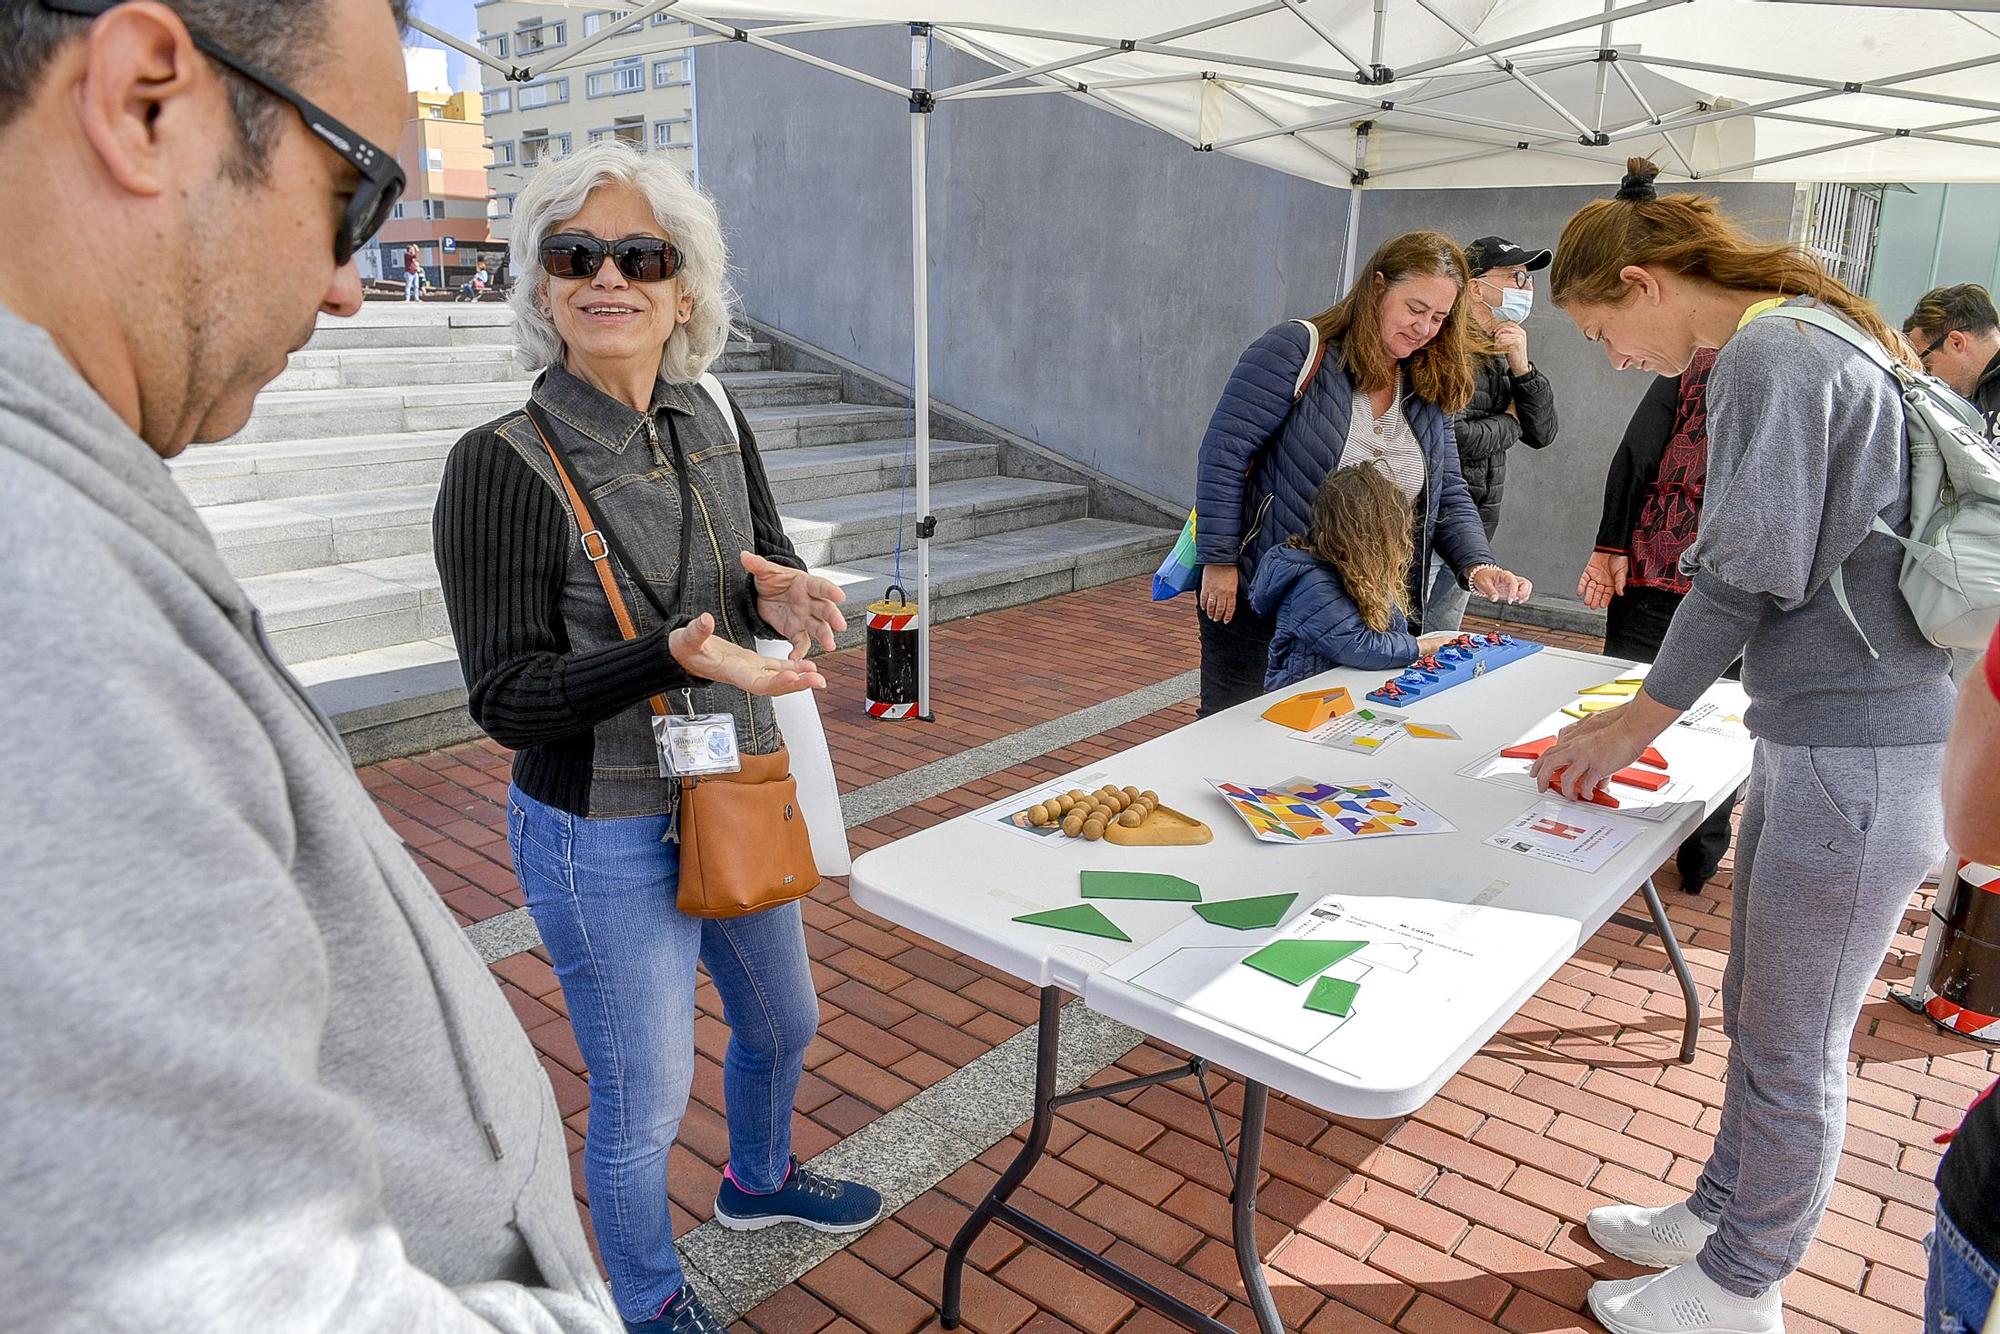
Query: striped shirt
(1386, 441)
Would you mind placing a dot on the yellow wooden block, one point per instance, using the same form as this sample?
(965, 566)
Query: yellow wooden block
(1306, 711)
(1622, 689)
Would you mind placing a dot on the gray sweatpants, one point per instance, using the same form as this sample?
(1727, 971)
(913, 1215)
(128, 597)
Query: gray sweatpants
(1834, 841)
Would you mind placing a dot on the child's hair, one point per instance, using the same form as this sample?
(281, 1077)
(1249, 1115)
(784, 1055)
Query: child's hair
(1361, 527)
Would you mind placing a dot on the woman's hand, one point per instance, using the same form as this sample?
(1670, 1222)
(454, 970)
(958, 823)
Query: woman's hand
(702, 652)
(1603, 579)
(1587, 753)
(1219, 584)
(802, 607)
(1429, 644)
(1498, 585)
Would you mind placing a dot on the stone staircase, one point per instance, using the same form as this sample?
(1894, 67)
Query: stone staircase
(322, 506)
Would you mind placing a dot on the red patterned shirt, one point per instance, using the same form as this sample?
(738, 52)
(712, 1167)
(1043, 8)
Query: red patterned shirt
(1671, 508)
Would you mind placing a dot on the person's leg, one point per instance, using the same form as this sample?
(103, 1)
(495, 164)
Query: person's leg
(602, 896)
(1234, 656)
(1700, 855)
(1718, 1176)
(1444, 606)
(1849, 833)
(765, 982)
(1959, 1289)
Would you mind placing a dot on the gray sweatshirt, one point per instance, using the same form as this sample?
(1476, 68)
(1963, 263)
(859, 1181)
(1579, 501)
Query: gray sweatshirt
(1805, 448)
(254, 1077)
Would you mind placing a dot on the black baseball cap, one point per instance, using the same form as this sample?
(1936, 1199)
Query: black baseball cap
(1497, 252)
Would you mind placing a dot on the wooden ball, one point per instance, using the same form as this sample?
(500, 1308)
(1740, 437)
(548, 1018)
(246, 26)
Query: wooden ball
(1093, 829)
(1132, 818)
(1132, 793)
(1072, 824)
(1151, 796)
(1078, 793)
(1038, 814)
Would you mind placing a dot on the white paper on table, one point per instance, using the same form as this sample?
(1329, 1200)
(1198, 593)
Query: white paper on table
(1709, 717)
(1567, 834)
(1011, 813)
(1351, 731)
(1633, 801)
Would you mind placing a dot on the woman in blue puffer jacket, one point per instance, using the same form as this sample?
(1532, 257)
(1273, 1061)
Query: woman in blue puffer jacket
(1398, 364)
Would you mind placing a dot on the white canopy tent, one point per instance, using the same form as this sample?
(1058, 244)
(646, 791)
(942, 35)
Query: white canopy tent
(1425, 94)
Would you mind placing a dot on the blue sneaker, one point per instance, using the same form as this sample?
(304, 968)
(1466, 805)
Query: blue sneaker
(806, 1197)
(683, 1315)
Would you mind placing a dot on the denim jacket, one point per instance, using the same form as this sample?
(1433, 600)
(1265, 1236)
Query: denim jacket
(623, 462)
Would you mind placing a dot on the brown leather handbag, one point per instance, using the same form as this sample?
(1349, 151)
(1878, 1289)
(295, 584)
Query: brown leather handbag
(744, 845)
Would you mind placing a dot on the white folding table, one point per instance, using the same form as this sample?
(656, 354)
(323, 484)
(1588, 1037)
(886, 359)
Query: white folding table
(963, 882)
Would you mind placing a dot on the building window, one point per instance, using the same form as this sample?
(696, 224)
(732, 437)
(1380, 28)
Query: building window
(673, 133)
(396, 212)
(628, 75)
(670, 73)
(543, 94)
(540, 36)
(661, 20)
(536, 147)
(433, 159)
(496, 46)
(596, 23)
(500, 99)
(631, 131)
(433, 210)
(500, 206)
(503, 154)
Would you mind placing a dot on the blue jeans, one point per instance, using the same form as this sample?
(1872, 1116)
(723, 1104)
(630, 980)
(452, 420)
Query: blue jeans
(602, 893)
(413, 286)
(1444, 609)
(1959, 1290)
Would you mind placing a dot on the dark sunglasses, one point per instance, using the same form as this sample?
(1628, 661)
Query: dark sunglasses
(382, 179)
(1924, 357)
(643, 259)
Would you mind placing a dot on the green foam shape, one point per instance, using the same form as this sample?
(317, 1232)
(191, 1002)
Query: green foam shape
(1140, 885)
(1247, 914)
(1294, 961)
(1332, 995)
(1083, 918)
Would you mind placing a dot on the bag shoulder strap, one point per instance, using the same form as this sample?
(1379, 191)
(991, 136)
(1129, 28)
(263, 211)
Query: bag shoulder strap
(713, 388)
(1315, 356)
(597, 545)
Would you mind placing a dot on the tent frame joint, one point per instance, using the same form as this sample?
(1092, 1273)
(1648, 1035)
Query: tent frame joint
(922, 102)
(927, 528)
(1375, 76)
(1607, 55)
(1595, 139)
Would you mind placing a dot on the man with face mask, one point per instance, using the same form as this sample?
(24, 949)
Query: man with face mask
(1512, 403)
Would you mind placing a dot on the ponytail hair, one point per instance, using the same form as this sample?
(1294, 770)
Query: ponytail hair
(1689, 235)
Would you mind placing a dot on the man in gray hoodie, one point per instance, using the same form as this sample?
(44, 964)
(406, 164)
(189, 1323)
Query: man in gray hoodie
(253, 1078)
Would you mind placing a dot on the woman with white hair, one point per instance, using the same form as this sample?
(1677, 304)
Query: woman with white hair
(622, 306)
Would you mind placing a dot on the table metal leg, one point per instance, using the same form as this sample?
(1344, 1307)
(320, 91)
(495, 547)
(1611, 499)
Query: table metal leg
(1664, 929)
(1243, 1201)
(996, 1209)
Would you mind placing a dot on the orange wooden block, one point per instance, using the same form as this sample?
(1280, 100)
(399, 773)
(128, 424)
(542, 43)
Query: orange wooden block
(1307, 711)
(1652, 782)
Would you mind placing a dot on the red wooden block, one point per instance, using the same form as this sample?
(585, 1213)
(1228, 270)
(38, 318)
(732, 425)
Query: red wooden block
(1652, 782)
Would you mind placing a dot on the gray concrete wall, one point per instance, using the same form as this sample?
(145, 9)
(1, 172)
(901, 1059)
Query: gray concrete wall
(1093, 281)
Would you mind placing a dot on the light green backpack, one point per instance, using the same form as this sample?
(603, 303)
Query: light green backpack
(1951, 561)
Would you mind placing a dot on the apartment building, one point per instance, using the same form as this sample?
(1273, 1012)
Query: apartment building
(631, 86)
(443, 153)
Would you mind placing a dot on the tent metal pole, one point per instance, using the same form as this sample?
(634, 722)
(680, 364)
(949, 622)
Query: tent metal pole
(605, 34)
(461, 46)
(921, 103)
(1507, 67)
(1529, 38)
(1354, 206)
(1325, 33)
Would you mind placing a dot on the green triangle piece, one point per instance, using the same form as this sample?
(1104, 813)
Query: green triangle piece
(1294, 961)
(1247, 914)
(1332, 995)
(1140, 885)
(1083, 918)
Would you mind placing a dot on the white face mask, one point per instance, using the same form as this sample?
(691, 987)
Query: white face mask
(1515, 305)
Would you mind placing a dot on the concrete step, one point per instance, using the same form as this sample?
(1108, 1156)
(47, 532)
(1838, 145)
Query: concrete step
(270, 536)
(407, 696)
(839, 501)
(854, 527)
(378, 367)
(388, 325)
(798, 408)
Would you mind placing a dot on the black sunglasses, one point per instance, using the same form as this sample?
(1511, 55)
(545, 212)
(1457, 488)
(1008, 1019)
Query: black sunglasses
(1924, 357)
(643, 259)
(382, 179)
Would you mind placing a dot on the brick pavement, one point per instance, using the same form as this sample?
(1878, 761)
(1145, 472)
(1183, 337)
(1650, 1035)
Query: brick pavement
(1463, 1216)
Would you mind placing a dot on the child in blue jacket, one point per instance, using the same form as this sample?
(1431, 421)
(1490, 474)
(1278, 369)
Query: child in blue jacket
(1341, 592)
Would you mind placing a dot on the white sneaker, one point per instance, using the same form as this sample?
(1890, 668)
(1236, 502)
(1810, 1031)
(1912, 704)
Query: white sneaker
(1683, 1300)
(1661, 1238)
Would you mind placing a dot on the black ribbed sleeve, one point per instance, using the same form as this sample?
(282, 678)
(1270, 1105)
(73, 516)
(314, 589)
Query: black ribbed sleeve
(501, 535)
